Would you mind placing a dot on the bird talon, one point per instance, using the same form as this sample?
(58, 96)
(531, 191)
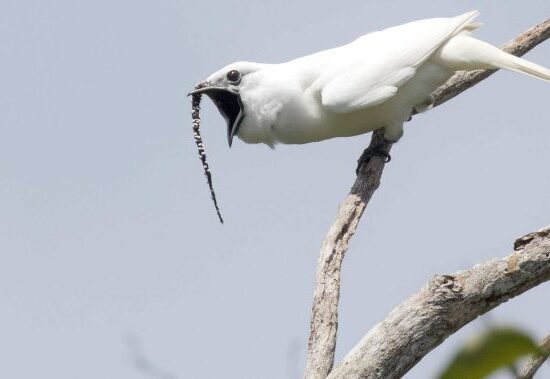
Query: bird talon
(370, 152)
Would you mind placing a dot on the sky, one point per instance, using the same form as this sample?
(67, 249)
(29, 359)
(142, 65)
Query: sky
(113, 263)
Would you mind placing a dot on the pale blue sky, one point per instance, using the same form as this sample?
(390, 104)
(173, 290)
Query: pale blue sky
(107, 229)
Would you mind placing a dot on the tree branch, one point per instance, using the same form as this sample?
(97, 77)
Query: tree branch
(324, 314)
(533, 364)
(443, 306)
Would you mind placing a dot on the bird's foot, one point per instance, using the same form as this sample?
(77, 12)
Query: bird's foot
(370, 152)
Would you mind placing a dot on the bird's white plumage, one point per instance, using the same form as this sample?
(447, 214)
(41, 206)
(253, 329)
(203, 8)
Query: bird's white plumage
(370, 79)
(373, 82)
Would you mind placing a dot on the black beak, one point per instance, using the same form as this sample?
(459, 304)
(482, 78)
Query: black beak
(229, 104)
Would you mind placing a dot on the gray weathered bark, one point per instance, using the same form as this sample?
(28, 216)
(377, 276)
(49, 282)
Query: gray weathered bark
(533, 364)
(443, 306)
(324, 314)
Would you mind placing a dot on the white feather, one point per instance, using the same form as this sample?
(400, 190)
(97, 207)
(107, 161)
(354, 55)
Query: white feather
(376, 65)
(373, 82)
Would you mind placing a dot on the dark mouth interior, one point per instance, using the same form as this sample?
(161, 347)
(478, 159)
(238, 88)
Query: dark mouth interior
(227, 103)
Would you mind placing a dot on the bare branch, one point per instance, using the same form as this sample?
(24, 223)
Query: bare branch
(324, 314)
(533, 364)
(443, 306)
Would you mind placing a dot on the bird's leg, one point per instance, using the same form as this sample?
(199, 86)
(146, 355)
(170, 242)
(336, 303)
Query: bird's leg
(372, 151)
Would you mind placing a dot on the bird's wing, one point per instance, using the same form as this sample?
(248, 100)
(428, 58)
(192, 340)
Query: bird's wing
(370, 70)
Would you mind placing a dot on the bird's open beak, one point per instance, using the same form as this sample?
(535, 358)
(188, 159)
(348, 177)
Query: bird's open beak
(228, 101)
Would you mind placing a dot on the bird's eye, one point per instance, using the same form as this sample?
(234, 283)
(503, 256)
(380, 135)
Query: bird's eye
(234, 76)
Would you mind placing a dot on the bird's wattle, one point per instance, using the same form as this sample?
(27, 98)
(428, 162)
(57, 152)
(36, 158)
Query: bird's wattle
(230, 106)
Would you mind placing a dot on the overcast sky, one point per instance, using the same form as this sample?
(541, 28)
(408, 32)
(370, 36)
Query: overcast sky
(108, 239)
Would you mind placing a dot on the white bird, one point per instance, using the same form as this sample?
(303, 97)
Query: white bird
(376, 81)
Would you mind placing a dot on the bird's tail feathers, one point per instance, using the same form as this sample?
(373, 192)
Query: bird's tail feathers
(464, 52)
(523, 66)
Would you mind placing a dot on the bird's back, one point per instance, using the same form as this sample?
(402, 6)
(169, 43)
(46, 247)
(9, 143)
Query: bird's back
(364, 85)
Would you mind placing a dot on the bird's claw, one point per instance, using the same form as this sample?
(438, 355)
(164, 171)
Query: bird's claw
(370, 152)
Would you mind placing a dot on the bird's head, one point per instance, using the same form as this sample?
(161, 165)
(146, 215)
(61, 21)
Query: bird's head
(224, 87)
